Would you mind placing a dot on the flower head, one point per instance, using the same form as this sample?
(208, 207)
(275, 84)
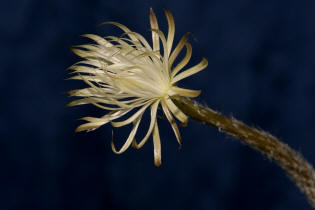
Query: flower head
(127, 75)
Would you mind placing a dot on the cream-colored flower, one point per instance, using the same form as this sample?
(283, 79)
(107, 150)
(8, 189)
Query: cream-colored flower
(126, 75)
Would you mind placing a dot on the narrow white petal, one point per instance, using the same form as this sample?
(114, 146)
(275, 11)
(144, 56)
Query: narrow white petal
(152, 123)
(184, 61)
(129, 139)
(89, 126)
(171, 30)
(193, 70)
(184, 92)
(177, 49)
(157, 146)
(155, 26)
(132, 118)
(98, 40)
(171, 121)
(176, 112)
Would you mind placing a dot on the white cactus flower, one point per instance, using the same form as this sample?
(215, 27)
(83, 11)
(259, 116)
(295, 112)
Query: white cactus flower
(126, 75)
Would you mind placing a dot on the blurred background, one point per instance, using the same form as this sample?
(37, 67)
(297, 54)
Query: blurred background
(261, 71)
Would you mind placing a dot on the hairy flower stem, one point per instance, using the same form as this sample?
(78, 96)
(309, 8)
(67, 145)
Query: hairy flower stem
(296, 167)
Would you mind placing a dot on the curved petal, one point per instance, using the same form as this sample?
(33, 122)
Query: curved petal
(90, 78)
(185, 92)
(132, 118)
(171, 30)
(129, 139)
(122, 27)
(91, 101)
(77, 68)
(193, 70)
(89, 126)
(98, 39)
(177, 49)
(164, 43)
(155, 58)
(85, 92)
(86, 63)
(92, 51)
(152, 123)
(157, 145)
(176, 111)
(155, 26)
(171, 121)
(184, 61)
(132, 48)
(140, 39)
(94, 123)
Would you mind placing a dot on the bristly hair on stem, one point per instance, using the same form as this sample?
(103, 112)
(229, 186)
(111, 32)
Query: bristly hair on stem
(294, 164)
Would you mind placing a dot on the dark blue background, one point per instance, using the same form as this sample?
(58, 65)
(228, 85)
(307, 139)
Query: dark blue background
(261, 71)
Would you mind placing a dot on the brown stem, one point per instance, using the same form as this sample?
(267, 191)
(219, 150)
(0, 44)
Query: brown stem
(297, 168)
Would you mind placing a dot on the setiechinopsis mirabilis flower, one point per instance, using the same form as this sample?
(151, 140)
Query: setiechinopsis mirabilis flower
(126, 75)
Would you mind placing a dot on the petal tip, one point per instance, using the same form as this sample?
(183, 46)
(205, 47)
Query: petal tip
(158, 163)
